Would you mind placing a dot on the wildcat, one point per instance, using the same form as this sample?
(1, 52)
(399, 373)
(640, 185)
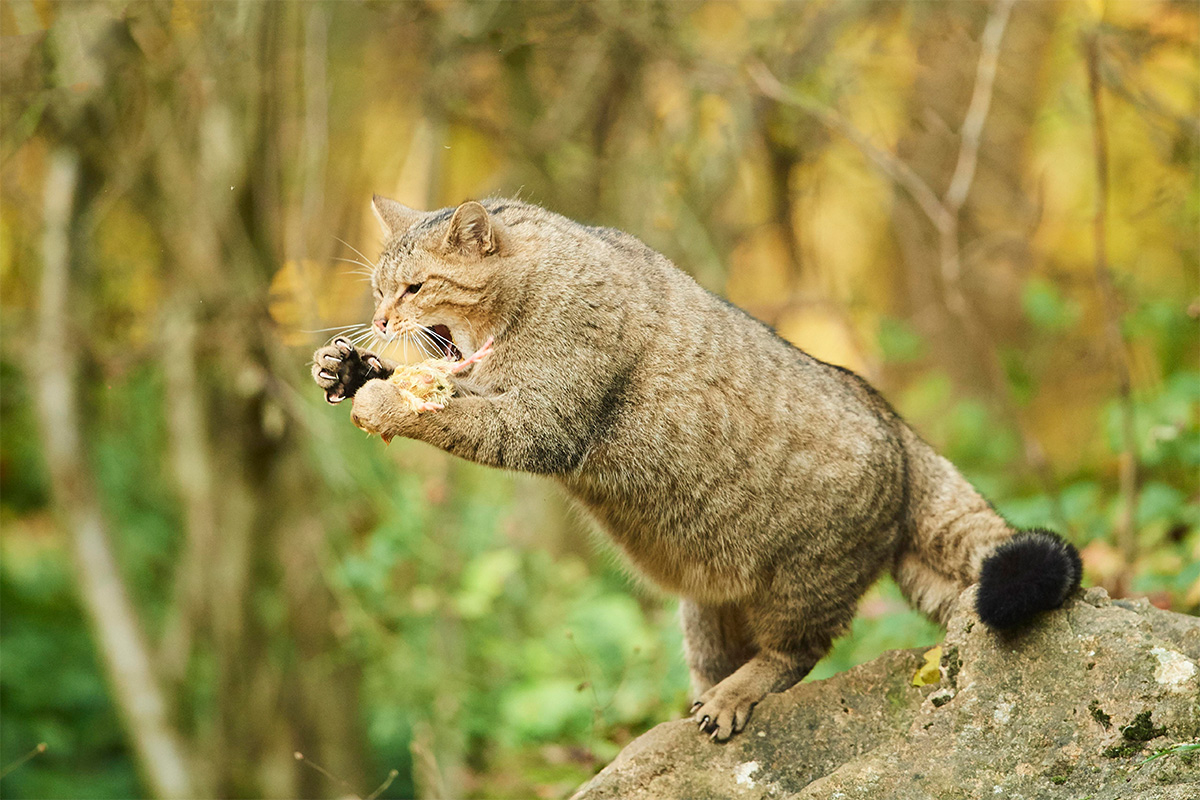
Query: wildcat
(766, 488)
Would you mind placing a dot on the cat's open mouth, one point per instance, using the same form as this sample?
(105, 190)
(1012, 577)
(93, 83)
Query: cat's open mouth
(445, 342)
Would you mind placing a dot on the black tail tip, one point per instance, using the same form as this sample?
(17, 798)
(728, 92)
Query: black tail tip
(1034, 571)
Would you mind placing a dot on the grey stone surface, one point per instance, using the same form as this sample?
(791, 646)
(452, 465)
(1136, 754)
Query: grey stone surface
(1063, 709)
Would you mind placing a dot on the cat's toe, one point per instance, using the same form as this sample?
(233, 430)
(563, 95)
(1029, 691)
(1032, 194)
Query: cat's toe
(324, 377)
(722, 713)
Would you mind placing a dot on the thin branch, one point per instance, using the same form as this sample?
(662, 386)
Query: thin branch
(977, 111)
(900, 173)
(25, 759)
(1128, 469)
(119, 637)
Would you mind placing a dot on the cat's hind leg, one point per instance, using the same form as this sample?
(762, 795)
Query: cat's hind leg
(792, 622)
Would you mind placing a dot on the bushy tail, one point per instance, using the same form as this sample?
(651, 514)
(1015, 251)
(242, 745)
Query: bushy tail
(1033, 571)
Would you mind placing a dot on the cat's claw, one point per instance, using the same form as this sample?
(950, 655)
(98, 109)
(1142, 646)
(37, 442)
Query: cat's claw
(475, 358)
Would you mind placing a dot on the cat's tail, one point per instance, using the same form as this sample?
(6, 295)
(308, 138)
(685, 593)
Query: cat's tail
(1034, 571)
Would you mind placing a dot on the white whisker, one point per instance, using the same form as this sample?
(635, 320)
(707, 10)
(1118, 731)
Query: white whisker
(353, 261)
(426, 347)
(342, 335)
(356, 250)
(436, 336)
(335, 328)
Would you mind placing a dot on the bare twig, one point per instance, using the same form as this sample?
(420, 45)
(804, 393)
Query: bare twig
(428, 775)
(391, 776)
(32, 754)
(119, 637)
(968, 158)
(900, 173)
(345, 785)
(981, 102)
(1128, 469)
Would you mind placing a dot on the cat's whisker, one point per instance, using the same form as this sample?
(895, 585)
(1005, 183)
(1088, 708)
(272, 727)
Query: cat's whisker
(425, 347)
(346, 334)
(431, 342)
(334, 328)
(353, 261)
(391, 347)
(404, 347)
(446, 346)
(438, 338)
(356, 250)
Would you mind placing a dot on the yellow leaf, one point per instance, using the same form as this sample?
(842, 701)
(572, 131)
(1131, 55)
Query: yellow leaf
(930, 672)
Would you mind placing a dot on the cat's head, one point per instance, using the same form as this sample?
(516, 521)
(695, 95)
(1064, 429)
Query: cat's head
(434, 282)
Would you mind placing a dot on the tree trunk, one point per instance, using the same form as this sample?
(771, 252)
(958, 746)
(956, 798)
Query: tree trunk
(122, 643)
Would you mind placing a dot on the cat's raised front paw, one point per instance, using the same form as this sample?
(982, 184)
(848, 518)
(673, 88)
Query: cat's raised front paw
(341, 369)
(374, 406)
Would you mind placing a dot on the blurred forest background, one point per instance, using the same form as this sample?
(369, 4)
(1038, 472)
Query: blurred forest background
(989, 209)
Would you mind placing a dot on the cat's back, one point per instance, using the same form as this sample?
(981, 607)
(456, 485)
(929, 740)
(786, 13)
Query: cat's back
(727, 435)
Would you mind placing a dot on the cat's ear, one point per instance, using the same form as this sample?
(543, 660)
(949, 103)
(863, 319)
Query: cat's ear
(472, 231)
(393, 217)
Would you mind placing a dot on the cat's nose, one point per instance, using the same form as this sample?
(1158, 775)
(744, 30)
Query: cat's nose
(381, 324)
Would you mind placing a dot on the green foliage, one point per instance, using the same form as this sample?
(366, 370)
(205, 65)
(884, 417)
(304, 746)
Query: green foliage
(898, 342)
(511, 647)
(1045, 306)
(22, 473)
(51, 687)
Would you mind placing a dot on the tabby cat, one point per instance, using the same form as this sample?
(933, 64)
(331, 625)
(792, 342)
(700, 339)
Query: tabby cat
(766, 488)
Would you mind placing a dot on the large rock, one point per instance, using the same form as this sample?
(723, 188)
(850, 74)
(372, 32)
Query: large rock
(1068, 708)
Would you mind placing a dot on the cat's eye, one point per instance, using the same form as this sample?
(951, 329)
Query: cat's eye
(413, 288)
